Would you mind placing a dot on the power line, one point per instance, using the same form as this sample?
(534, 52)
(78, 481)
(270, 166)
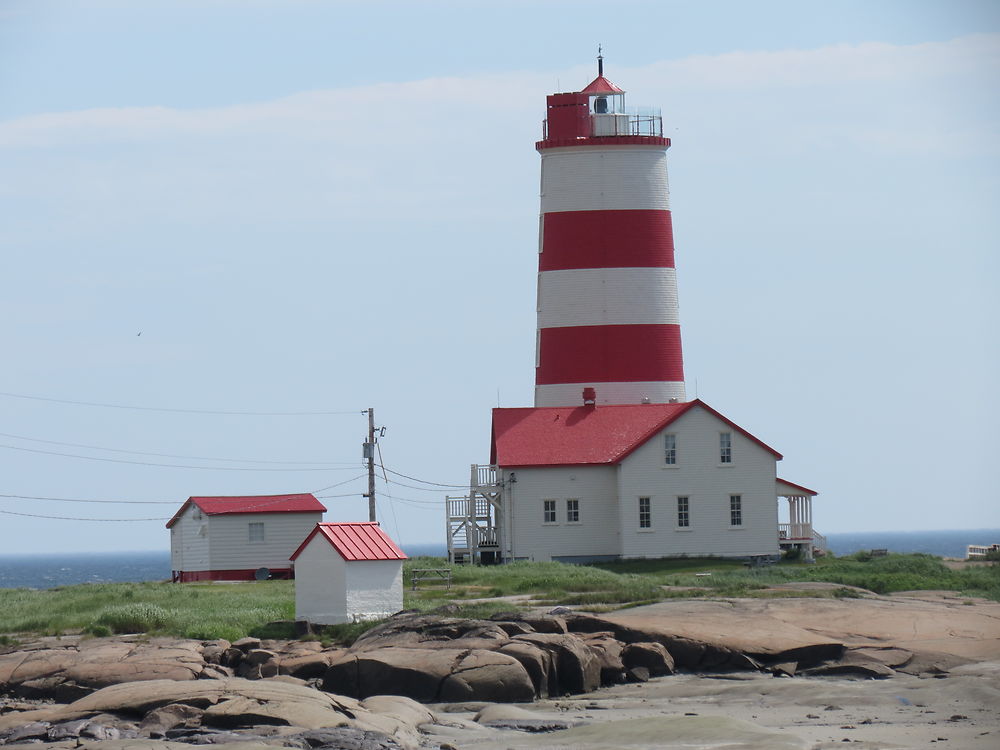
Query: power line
(168, 466)
(424, 481)
(174, 455)
(184, 411)
(346, 481)
(69, 518)
(81, 500)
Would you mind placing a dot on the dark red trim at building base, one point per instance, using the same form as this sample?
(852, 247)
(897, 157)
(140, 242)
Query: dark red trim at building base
(640, 238)
(191, 576)
(610, 354)
(605, 140)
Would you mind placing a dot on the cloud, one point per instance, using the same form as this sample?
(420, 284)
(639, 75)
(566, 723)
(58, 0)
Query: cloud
(442, 104)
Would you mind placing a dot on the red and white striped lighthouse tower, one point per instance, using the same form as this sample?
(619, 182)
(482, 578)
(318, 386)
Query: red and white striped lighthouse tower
(607, 287)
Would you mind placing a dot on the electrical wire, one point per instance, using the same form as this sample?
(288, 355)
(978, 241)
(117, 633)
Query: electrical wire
(174, 455)
(185, 411)
(424, 481)
(168, 466)
(346, 481)
(69, 518)
(80, 500)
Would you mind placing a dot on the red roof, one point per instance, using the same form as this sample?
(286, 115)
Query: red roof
(574, 435)
(806, 490)
(356, 541)
(220, 506)
(601, 85)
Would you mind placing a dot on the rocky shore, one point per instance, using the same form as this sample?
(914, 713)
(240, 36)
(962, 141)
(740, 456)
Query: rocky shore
(436, 681)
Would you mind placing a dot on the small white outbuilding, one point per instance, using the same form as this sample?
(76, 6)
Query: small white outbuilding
(346, 572)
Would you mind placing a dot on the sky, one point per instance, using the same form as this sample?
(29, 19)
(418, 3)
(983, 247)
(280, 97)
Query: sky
(228, 228)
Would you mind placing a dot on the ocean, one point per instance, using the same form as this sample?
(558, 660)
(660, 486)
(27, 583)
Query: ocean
(43, 571)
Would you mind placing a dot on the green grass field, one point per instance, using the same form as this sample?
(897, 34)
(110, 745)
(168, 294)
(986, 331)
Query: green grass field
(231, 611)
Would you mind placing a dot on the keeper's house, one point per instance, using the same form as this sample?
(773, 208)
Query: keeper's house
(346, 572)
(239, 538)
(605, 482)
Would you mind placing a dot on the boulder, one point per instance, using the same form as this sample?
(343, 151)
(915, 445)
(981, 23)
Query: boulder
(536, 661)
(158, 721)
(608, 651)
(306, 665)
(575, 668)
(487, 676)
(652, 656)
(414, 672)
(247, 644)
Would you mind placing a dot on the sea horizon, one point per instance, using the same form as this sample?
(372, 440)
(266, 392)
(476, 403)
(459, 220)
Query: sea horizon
(44, 570)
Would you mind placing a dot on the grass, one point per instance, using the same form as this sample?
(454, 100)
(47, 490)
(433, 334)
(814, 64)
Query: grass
(210, 611)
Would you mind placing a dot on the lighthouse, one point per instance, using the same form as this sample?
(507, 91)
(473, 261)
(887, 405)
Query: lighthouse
(607, 287)
(612, 461)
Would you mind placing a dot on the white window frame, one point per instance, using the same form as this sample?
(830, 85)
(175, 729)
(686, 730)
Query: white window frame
(645, 508)
(736, 511)
(670, 449)
(258, 537)
(726, 448)
(549, 513)
(572, 510)
(684, 512)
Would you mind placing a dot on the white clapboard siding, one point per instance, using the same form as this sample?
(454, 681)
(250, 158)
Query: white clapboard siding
(593, 178)
(320, 584)
(189, 541)
(607, 296)
(231, 548)
(374, 589)
(707, 484)
(596, 533)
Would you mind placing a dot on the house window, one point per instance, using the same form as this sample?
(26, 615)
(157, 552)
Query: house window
(573, 511)
(548, 511)
(670, 449)
(725, 447)
(735, 510)
(257, 532)
(683, 512)
(645, 514)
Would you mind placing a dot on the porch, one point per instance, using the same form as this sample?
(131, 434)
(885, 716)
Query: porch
(799, 533)
(474, 520)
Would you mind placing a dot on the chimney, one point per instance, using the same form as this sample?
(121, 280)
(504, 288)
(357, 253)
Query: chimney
(589, 396)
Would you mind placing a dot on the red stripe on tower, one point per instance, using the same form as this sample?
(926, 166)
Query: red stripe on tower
(606, 239)
(607, 290)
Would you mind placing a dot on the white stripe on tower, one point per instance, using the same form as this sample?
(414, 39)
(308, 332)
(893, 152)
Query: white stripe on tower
(607, 288)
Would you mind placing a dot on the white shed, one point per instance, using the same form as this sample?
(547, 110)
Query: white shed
(238, 538)
(346, 572)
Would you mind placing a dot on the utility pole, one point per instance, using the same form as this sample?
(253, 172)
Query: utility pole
(369, 453)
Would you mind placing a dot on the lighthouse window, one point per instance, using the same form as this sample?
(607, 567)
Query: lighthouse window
(725, 447)
(548, 511)
(670, 450)
(645, 514)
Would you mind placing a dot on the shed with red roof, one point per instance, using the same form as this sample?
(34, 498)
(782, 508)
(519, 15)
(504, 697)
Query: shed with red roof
(347, 572)
(239, 538)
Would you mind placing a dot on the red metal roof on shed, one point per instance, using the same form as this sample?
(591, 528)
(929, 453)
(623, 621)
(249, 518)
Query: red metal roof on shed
(356, 541)
(217, 506)
(574, 435)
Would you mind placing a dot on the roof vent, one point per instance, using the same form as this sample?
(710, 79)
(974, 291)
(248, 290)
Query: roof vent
(589, 396)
